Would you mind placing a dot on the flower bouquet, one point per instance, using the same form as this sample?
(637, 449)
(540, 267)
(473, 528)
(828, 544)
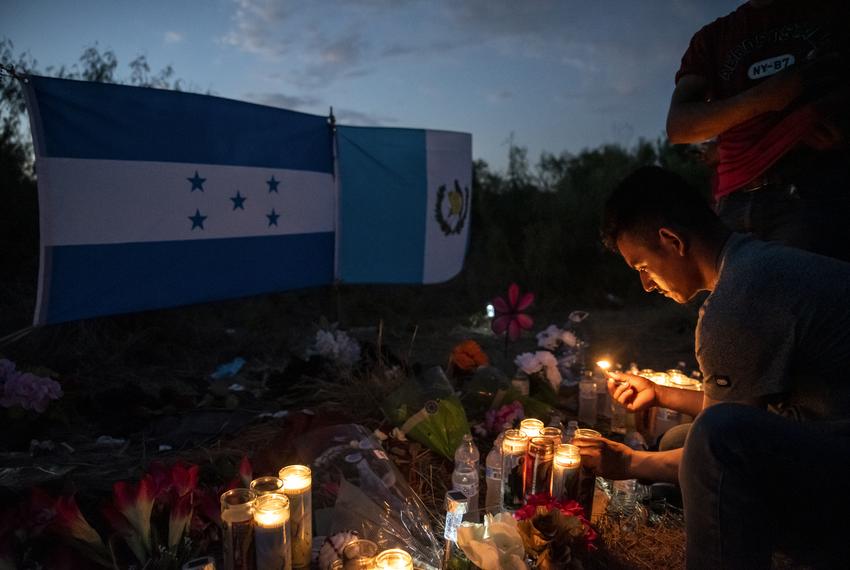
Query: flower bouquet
(555, 533)
(545, 534)
(358, 491)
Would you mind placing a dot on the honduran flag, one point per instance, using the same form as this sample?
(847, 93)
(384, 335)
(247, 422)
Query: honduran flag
(151, 198)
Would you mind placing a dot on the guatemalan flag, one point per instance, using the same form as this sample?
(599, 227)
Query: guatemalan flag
(413, 186)
(151, 198)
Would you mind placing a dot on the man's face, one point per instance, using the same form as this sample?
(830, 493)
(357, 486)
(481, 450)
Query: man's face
(664, 266)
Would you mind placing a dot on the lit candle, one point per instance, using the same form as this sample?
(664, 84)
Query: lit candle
(514, 445)
(359, 554)
(271, 532)
(537, 471)
(237, 511)
(297, 484)
(265, 485)
(530, 427)
(565, 477)
(553, 433)
(394, 559)
(587, 478)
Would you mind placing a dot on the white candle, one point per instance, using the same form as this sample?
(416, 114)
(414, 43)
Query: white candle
(271, 532)
(530, 427)
(237, 508)
(297, 484)
(393, 559)
(565, 476)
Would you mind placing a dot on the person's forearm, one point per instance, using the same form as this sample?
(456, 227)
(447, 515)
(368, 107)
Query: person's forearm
(698, 121)
(688, 402)
(656, 465)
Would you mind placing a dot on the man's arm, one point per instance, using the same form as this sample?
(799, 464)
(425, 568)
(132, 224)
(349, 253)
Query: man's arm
(688, 402)
(614, 460)
(694, 117)
(656, 465)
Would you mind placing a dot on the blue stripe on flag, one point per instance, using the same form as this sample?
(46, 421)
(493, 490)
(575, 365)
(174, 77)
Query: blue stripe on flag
(383, 197)
(80, 119)
(121, 278)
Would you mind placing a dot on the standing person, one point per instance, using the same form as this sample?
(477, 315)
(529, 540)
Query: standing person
(769, 82)
(771, 437)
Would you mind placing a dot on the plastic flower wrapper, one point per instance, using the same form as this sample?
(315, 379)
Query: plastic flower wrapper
(495, 544)
(427, 410)
(357, 488)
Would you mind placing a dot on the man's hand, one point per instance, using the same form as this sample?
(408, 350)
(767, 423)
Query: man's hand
(606, 458)
(631, 391)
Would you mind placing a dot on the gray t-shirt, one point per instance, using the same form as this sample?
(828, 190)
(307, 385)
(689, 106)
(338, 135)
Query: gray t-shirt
(777, 327)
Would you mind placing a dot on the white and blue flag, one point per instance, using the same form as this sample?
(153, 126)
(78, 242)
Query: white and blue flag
(404, 204)
(151, 198)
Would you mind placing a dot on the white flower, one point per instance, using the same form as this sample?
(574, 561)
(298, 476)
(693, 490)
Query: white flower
(542, 360)
(336, 346)
(549, 337)
(569, 338)
(494, 544)
(529, 362)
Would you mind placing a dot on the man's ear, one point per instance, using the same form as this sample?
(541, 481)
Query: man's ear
(672, 240)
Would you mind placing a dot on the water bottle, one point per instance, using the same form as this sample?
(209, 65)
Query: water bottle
(493, 475)
(465, 475)
(624, 493)
(587, 400)
(570, 432)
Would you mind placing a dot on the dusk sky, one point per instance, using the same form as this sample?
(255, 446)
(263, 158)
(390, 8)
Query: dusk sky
(560, 75)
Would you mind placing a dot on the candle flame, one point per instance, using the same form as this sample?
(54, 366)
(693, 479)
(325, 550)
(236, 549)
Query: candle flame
(604, 364)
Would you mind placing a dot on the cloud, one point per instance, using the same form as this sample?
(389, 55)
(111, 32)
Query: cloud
(172, 37)
(499, 96)
(293, 102)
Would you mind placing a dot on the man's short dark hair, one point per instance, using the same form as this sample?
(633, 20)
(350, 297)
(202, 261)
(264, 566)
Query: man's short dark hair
(650, 198)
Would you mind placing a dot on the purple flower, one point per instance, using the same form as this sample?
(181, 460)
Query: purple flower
(7, 369)
(29, 391)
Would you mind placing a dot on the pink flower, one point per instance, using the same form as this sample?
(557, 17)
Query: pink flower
(509, 316)
(507, 414)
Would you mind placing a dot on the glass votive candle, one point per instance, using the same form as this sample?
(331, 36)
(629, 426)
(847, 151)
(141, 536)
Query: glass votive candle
(297, 485)
(514, 445)
(587, 478)
(566, 469)
(530, 427)
(393, 559)
(269, 484)
(359, 554)
(537, 470)
(553, 433)
(237, 518)
(271, 532)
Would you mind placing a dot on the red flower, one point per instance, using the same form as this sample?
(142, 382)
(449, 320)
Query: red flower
(70, 522)
(136, 504)
(509, 315)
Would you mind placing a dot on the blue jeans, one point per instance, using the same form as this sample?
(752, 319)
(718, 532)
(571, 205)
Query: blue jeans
(754, 482)
(810, 212)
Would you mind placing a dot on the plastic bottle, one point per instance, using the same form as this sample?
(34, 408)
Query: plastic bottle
(624, 493)
(493, 475)
(570, 432)
(465, 475)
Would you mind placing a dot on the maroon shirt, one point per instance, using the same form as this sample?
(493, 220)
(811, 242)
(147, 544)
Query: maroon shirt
(743, 48)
